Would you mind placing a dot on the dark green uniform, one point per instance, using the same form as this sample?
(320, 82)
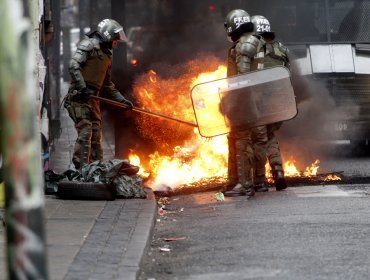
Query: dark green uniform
(275, 54)
(244, 56)
(90, 69)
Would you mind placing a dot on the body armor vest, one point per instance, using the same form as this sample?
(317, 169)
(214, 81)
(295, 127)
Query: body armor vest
(96, 68)
(276, 54)
(240, 63)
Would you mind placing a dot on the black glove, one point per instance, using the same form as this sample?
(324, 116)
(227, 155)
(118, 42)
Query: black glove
(128, 103)
(86, 92)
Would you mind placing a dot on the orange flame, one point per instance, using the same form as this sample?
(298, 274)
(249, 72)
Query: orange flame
(181, 155)
(332, 177)
(290, 169)
(135, 160)
(312, 171)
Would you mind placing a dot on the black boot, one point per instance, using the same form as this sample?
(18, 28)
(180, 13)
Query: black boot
(249, 192)
(260, 184)
(238, 190)
(229, 186)
(261, 187)
(280, 183)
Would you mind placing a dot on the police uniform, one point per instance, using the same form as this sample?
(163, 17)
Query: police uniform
(244, 56)
(276, 54)
(90, 70)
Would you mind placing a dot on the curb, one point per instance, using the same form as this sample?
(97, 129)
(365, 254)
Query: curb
(140, 240)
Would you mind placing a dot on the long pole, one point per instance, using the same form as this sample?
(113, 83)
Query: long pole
(20, 143)
(143, 111)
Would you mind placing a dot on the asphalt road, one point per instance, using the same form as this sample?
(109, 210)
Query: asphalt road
(306, 232)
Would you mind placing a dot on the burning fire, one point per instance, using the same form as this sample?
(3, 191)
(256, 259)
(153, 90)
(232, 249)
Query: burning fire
(312, 171)
(135, 160)
(290, 169)
(332, 177)
(182, 156)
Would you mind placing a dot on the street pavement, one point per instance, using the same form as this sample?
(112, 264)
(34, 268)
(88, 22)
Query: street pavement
(307, 232)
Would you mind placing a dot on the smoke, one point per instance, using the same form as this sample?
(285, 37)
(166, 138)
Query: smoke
(176, 32)
(306, 137)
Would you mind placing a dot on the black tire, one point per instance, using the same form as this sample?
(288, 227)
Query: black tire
(85, 191)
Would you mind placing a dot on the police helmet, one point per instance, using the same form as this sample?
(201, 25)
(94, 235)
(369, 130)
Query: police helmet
(235, 20)
(111, 30)
(261, 26)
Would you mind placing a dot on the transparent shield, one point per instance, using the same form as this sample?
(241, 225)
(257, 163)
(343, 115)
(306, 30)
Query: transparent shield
(244, 101)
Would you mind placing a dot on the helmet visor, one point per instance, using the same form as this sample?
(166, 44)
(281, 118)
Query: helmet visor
(121, 36)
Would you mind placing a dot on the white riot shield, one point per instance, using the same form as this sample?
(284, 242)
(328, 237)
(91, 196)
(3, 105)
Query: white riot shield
(244, 101)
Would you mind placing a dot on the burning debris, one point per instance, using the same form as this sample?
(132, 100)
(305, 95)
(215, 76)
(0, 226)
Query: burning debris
(183, 161)
(181, 155)
(217, 183)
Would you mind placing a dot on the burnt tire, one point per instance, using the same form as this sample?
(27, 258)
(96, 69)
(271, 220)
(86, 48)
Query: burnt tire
(85, 191)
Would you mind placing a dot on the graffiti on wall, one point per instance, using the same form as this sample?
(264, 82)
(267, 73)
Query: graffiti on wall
(20, 142)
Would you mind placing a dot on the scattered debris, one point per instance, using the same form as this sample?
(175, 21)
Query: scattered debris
(205, 184)
(332, 177)
(217, 183)
(161, 211)
(174, 239)
(164, 201)
(165, 248)
(219, 196)
(321, 178)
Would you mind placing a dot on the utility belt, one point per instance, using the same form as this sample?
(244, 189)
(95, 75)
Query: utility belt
(77, 106)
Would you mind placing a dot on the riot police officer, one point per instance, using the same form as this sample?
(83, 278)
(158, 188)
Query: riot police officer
(90, 70)
(245, 55)
(275, 54)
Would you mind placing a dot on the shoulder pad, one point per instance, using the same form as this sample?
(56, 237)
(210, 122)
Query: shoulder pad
(88, 45)
(251, 39)
(282, 48)
(250, 45)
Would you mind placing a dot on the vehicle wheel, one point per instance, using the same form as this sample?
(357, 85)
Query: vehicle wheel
(85, 191)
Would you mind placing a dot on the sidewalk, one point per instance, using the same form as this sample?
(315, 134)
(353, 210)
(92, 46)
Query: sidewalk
(94, 239)
(98, 240)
